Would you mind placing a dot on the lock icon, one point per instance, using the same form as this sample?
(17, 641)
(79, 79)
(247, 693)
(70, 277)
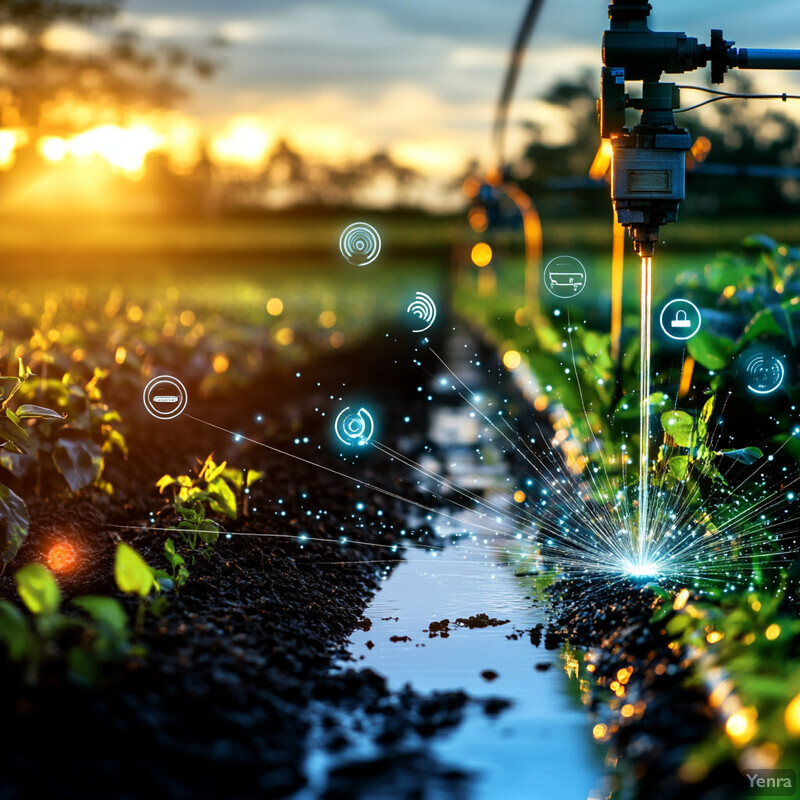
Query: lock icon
(681, 320)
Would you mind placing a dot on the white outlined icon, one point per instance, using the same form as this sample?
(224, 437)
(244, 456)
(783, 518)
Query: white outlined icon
(360, 244)
(765, 373)
(680, 319)
(424, 309)
(565, 277)
(165, 397)
(354, 429)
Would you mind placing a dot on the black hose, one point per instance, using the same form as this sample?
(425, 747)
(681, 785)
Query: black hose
(512, 73)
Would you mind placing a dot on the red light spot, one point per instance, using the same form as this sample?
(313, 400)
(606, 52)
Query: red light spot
(62, 557)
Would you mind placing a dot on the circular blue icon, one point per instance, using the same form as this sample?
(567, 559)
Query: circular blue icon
(354, 429)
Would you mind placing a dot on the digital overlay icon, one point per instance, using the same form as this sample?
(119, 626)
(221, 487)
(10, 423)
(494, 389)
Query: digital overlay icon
(680, 319)
(565, 277)
(360, 244)
(424, 309)
(764, 373)
(354, 428)
(165, 397)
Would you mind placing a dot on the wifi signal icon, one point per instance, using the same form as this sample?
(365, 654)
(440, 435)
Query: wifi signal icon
(424, 309)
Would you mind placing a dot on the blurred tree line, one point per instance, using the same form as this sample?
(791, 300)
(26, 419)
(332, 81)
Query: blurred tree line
(739, 138)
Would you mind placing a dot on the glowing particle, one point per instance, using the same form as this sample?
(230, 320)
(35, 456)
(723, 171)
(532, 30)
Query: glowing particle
(120, 355)
(481, 254)
(792, 716)
(511, 359)
(135, 314)
(519, 496)
(220, 364)
(627, 710)
(327, 319)
(62, 557)
(714, 636)
(773, 631)
(284, 336)
(741, 726)
(599, 731)
(275, 306)
(187, 318)
(681, 599)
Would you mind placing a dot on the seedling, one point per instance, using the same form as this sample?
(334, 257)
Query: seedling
(135, 576)
(15, 440)
(210, 487)
(89, 642)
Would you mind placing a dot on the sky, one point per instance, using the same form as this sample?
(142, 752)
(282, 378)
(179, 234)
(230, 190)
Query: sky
(418, 77)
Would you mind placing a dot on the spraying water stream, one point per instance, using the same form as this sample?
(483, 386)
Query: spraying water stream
(642, 532)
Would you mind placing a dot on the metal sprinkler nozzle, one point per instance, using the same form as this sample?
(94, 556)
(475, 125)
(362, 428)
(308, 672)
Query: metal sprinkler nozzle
(648, 172)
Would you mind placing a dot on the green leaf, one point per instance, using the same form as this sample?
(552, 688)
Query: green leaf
(763, 324)
(14, 630)
(208, 532)
(712, 352)
(708, 409)
(14, 524)
(79, 461)
(164, 482)
(11, 432)
(38, 589)
(223, 498)
(760, 242)
(174, 558)
(132, 573)
(679, 426)
(213, 471)
(163, 581)
(254, 475)
(107, 611)
(745, 455)
(29, 411)
(679, 466)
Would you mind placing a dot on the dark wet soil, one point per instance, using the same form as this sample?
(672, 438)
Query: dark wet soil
(219, 705)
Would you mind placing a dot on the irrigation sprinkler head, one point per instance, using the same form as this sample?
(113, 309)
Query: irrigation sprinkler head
(648, 174)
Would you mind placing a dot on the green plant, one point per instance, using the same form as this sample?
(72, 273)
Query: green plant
(210, 486)
(135, 576)
(198, 533)
(88, 642)
(242, 480)
(75, 449)
(15, 439)
(692, 438)
(177, 563)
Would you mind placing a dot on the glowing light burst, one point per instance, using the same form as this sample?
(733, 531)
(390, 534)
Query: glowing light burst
(586, 524)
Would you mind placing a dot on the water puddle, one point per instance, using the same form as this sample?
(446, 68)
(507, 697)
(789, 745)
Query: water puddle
(539, 747)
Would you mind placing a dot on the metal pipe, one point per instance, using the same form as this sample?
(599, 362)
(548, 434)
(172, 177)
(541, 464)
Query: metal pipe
(768, 59)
